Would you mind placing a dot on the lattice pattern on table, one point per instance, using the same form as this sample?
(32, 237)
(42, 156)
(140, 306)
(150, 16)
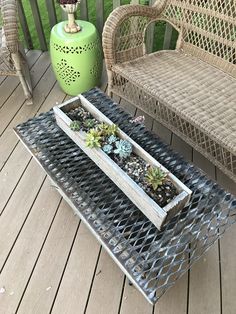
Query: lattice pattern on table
(153, 259)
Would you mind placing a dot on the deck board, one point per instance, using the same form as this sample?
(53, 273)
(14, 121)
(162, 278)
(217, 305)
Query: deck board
(175, 300)
(20, 263)
(49, 261)
(17, 99)
(77, 279)
(228, 273)
(204, 285)
(42, 287)
(106, 287)
(10, 83)
(18, 208)
(133, 302)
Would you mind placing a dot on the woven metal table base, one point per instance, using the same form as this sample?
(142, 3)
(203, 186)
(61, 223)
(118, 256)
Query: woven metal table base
(153, 260)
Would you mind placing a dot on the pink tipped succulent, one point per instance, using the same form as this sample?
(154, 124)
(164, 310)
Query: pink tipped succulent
(70, 7)
(139, 119)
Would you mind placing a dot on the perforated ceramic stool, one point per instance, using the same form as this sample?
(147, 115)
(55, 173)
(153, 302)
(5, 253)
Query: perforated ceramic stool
(76, 58)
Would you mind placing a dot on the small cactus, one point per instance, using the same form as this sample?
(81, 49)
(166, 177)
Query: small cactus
(107, 149)
(93, 139)
(75, 125)
(89, 123)
(123, 149)
(155, 177)
(139, 120)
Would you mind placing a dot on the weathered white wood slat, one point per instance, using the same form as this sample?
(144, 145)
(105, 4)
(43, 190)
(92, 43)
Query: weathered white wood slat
(136, 194)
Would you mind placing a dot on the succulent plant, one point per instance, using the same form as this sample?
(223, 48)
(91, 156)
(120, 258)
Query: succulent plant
(75, 125)
(112, 129)
(155, 177)
(123, 149)
(139, 120)
(112, 139)
(103, 127)
(107, 130)
(93, 139)
(89, 123)
(107, 148)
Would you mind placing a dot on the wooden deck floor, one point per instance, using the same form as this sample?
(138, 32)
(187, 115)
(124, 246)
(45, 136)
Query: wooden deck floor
(50, 263)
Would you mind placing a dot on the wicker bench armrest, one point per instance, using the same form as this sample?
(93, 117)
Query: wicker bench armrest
(123, 34)
(10, 24)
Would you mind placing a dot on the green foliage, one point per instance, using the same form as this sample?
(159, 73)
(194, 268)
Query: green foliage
(93, 139)
(112, 129)
(103, 128)
(75, 125)
(92, 19)
(107, 130)
(123, 149)
(89, 123)
(155, 177)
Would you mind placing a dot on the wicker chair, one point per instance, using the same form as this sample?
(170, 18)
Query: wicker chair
(192, 89)
(12, 57)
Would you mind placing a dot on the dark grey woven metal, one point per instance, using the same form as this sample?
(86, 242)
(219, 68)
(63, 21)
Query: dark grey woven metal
(152, 259)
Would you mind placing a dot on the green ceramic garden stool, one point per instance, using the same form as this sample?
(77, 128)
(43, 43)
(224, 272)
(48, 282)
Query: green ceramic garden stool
(76, 58)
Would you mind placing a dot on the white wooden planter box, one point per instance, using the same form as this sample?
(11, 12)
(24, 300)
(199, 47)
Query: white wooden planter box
(156, 214)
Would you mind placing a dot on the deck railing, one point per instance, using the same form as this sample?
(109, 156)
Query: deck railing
(37, 17)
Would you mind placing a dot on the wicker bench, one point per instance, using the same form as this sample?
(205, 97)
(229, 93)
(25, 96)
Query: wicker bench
(191, 90)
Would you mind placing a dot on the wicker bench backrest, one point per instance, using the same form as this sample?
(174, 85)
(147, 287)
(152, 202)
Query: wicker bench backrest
(208, 29)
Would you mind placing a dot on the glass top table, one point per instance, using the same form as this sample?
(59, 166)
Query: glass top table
(152, 260)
